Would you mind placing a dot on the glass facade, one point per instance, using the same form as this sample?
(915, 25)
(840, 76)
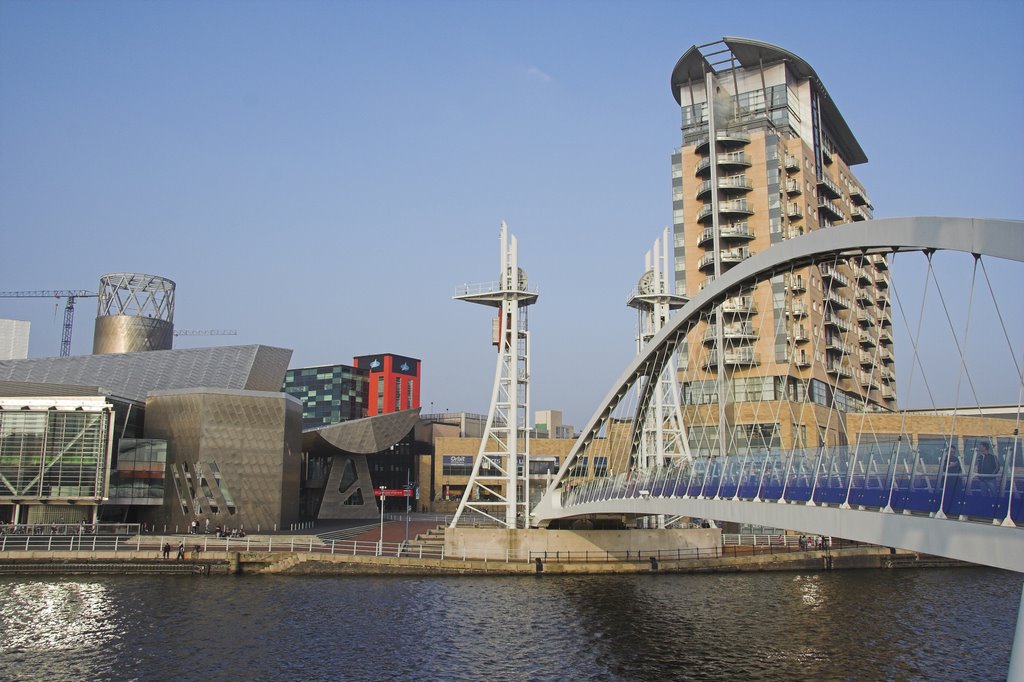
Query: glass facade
(138, 477)
(53, 455)
(329, 394)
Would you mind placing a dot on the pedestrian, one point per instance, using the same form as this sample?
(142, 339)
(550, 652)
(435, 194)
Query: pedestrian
(181, 549)
(167, 550)
(207, 526)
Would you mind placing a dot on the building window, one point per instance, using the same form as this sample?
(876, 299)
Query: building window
(457, 465)
(380, 395)
(398, 393)
(408, 400)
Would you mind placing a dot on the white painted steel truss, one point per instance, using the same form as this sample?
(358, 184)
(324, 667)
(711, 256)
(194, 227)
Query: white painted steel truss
(498, 487)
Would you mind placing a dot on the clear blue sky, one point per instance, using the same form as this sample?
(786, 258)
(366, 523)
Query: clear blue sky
(321, 175)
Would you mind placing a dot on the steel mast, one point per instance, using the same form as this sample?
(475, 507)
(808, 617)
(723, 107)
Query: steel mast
(663, 434)
(499, 486)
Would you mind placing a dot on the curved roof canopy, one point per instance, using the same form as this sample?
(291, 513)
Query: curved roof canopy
(361, 436)
(753, 53)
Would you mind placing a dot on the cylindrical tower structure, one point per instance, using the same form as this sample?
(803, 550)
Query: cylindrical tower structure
(136, 313)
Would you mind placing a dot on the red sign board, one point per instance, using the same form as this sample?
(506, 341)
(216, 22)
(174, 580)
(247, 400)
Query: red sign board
(393, 492)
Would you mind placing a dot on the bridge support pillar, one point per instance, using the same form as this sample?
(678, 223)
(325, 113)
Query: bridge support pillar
(1016, 671)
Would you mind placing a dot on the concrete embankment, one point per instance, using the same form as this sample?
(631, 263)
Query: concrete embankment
(305, 563)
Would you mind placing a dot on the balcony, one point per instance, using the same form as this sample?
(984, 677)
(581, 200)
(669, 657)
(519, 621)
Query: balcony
(879, 261)
(888, 393)
(836, 322)
(791, 163)
(799, 335)
(737, 357)
(742, 331)
(735, 231)
(836, 301)
(726, 138)
(887, 356)
(801, 359)
(885, 338)
(881, 281)
(861, 274)
(828, 188)
(867, 380)
(837, 368)
(735, 183)
(866, 340)
(864, 297)
(739, 305)
(729, 257)
(830, 208)
(859, 214)
(793, 211)
(793, 187)
(707, 282)
(836, 344)
(733, 160)
(826, 154)
(859, 197)
(865, 319)
(887, 375)
(796, 283)
(737, 207)
(798, 310)
(865, 359)
(831, 272)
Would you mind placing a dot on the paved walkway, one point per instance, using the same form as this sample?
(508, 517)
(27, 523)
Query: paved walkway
(394, 531)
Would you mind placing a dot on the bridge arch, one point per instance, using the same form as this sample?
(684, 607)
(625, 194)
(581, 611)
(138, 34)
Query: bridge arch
(981, 237)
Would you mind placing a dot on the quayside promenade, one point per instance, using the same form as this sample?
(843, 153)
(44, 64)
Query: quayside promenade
(360, 550)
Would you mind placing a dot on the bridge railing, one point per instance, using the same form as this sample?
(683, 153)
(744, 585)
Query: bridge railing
(69, 528)
(882, 476)
(199, 548)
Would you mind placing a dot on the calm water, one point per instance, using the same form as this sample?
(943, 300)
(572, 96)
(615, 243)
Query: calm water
(901, 624)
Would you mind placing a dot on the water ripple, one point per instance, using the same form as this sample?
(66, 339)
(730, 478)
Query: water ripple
(926, 624)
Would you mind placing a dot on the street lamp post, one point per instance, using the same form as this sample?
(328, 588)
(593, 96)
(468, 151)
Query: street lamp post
(408, 502)
(380, 543)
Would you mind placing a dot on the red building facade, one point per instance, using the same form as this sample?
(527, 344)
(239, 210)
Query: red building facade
(394, 382)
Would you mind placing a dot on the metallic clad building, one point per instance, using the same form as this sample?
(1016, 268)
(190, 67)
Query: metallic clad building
(136, 313)
(14, 339)
(234, 456)
(134, 375)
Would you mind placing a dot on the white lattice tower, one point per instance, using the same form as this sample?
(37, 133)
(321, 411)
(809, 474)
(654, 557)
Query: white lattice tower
(498, 486)
(664, 433)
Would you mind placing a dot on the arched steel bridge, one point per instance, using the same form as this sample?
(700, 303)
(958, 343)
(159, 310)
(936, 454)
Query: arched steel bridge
(884, 496)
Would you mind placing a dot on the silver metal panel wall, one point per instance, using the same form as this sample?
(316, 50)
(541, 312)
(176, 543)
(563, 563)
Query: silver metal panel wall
(131, 334)
(234, 457)
(134, 375)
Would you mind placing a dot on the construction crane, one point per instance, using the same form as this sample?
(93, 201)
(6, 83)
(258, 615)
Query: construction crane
(69, 309)
(205, 332)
